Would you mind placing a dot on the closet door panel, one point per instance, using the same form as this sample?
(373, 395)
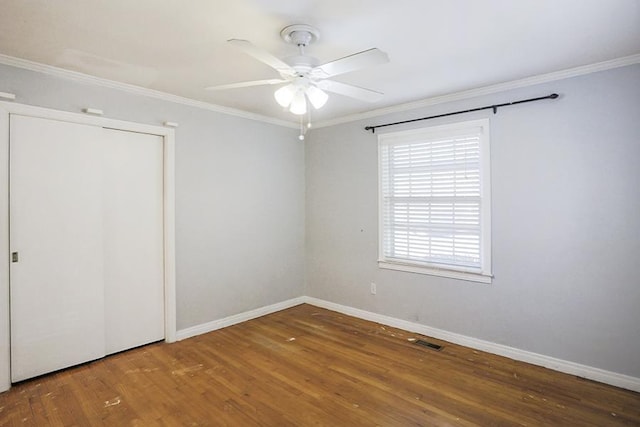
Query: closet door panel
(133, 245)
(57, 286)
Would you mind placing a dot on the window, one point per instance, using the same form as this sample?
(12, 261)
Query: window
(435, 204)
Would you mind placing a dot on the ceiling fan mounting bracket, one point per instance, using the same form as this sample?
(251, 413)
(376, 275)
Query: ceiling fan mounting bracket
(300, 34)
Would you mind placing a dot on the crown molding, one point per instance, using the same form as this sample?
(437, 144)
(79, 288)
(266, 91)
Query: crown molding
(136, 90)
(487, 90)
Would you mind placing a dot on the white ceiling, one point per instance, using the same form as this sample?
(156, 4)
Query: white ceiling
(436, 47)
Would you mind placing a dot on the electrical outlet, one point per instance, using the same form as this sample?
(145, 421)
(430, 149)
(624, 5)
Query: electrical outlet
(373, 288)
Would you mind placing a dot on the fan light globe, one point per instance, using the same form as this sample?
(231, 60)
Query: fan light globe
(284, 95)
(299, 103)
(293, 96)
(317, 97)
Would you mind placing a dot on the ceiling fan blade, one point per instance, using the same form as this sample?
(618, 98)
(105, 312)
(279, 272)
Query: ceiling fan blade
(247, 84)
(350, 90)
(366, 58)
(263, 56)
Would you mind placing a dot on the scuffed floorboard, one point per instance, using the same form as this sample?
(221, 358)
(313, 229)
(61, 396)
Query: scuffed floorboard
(310, 366)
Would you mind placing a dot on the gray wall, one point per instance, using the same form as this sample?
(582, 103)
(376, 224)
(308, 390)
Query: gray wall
(566, 216)
(239, 196)
(565, 220)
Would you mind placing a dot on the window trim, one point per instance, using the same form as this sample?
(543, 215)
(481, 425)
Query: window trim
(482, 274)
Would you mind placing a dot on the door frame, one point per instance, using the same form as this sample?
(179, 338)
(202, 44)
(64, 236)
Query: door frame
(168, 134)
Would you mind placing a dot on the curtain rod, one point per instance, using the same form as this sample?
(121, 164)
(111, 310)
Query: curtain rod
(492, 107)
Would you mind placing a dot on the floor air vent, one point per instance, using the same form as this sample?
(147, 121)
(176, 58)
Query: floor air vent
(428, 344)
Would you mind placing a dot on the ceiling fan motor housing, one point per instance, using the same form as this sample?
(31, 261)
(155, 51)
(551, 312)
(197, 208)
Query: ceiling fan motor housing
(302, 64)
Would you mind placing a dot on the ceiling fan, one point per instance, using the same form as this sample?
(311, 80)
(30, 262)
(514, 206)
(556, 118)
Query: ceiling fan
(304, 77)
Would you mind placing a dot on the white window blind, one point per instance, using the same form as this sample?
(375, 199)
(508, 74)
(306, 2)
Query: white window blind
(433, 210)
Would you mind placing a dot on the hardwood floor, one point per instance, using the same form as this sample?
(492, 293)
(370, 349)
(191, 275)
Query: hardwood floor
(310, 366)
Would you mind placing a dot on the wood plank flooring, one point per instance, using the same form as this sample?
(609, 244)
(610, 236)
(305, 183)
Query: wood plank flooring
(309, 366)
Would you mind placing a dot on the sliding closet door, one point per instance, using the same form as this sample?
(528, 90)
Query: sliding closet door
(57, 287)
(133, 246)
(87, 229)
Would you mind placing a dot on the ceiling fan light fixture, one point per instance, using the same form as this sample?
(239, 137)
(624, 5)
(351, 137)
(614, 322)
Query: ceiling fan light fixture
(299, 103)
(284, 95)
(317, 97)
(302, 79)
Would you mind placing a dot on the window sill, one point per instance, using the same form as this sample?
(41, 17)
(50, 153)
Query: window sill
(434, 271)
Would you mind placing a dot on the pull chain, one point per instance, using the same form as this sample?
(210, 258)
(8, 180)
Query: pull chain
(301, 137)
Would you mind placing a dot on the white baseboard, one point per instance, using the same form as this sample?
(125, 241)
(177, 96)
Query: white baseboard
(584, 371)
(237, 318)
